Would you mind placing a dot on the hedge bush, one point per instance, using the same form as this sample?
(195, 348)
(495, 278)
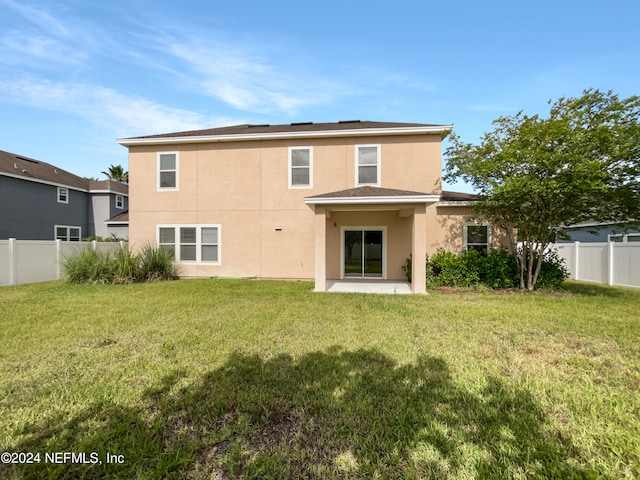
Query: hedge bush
(495, 269)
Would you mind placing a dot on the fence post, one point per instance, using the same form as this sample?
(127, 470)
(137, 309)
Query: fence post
(12, 261)
(94, 244)
(58, 254)
(576, 261)
(610, 260)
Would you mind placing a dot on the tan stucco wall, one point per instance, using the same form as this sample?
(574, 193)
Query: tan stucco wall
(266, 228)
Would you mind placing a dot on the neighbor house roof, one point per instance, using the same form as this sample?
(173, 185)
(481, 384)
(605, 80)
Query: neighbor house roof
(108, 186)
(289, 130)
(30, 169)
(25, 168)
(448, 196)
(121, 218)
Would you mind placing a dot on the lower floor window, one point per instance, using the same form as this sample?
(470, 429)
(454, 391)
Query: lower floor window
(629, 237)
(191, 243)
(67, 233)
(476, 237)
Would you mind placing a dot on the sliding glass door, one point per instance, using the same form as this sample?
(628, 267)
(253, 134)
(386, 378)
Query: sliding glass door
(363, 252)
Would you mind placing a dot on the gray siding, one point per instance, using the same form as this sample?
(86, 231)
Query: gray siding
(30, 210)
(104, 208)
(585, 234)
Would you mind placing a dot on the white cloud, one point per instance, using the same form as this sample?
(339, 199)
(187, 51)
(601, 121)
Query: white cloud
(123, 115)
(247, 80)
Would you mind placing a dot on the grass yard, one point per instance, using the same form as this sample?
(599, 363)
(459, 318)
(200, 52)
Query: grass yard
(265, 379)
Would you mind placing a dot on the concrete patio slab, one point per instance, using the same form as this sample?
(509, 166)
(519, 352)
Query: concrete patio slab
(364, 285)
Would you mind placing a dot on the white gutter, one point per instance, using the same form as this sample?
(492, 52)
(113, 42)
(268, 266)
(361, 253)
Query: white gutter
(372, 199)
(360, 132)
(453, 203)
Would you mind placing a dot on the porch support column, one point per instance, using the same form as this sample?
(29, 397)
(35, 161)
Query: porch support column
(419, 250)
(320, 249)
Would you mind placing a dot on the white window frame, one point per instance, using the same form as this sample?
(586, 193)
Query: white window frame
(120, 202)
(63, 191)
(624, 238)
(291, 167)
(383, 229)
(198, 243)
(378, 164)
(68, 228)
(177, 171)
(465, 234)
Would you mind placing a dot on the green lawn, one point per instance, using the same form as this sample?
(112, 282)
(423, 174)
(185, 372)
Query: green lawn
(265, 379)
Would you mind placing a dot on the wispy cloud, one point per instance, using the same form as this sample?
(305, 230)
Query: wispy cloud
(123, 115)
(246, 78)
(23, 50)
(40, 18)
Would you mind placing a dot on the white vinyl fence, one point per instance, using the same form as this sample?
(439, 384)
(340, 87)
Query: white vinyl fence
(29, 261)
(611, 263)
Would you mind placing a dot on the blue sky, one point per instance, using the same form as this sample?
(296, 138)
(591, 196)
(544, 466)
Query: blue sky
(75, 74)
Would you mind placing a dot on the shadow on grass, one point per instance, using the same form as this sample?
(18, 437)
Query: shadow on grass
(598, 290)
(332, 414)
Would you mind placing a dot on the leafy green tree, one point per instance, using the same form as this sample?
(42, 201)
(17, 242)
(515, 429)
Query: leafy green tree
(536, 175)
(117, 173)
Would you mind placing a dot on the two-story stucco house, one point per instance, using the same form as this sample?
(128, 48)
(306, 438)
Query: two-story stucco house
(39, 201)
(323, 201)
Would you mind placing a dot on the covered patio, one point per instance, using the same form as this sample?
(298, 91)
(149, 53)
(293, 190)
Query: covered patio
(364, 235)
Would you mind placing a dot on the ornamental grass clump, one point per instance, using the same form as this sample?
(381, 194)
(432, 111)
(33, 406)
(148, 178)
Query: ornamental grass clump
(156, 263)
(120, 267)
(88, 266)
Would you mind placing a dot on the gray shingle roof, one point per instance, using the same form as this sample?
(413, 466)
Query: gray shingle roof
(29, 169)
(447, 196)
(369, 191)
(32, 169)
(121, 217)
(248, 129)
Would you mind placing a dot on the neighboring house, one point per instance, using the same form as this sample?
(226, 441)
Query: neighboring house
(600, 232)
(39, 201)
(326, 201)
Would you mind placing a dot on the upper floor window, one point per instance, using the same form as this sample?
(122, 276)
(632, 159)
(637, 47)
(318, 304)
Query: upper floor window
(476, 237)
(168, 171)
(119, 202)
(367, 168)
(300, 167)
(63, 195)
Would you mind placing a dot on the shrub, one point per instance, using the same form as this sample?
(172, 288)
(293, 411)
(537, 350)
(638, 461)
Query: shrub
(122, 266)
(406, 268)
(494, 269)
(552, 272)
(499, 269)
(446, 269)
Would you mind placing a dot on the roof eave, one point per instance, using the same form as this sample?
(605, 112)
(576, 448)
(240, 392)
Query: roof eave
(362, 132)
(381, 200)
